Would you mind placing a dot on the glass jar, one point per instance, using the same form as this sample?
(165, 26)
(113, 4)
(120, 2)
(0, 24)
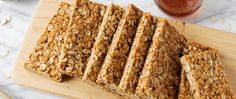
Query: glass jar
(179, 7)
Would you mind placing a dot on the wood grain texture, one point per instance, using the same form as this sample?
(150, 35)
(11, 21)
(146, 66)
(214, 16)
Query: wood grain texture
(75, 88)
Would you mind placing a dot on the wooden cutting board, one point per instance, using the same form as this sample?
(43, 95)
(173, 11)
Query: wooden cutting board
(75, 88)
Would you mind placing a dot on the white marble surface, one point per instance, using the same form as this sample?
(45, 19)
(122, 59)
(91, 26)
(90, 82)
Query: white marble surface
(21, 12)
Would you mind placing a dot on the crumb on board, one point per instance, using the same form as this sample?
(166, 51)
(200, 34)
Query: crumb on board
(213, 19)
(5, 20)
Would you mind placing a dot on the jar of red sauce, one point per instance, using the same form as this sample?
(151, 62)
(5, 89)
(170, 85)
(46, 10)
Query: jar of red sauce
(179, 7)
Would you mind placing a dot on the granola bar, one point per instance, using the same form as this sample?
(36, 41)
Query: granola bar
(45, 56)
(160, 76)
(82, 31)
(190, 48)
(108, 28)
(206, 76)
(113, 66)
(194, 47)
(138, 53)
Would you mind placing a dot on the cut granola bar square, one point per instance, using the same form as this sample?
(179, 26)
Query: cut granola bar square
(82, 31)
(113, 66)
(160, 76)
(107, 30)
(45, 56)
(190, 48)
(138, 53)
(206, 76)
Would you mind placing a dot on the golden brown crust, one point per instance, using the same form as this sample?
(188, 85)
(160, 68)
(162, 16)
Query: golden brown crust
(194, 47)
(206, 75)
(45, 56)
(82, 31)
(112, 68)
(138, 53)
(160, 75)
(108, 28)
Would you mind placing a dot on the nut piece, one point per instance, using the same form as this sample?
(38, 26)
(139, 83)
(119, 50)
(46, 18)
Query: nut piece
(138, 53)
(108, 28)
(160, 75)
(117, 55)
(82, 31)
(45, 56)
(206, 76)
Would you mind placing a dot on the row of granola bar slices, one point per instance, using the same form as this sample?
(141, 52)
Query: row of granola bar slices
(127, 51)
(109, 46)
(100, 37)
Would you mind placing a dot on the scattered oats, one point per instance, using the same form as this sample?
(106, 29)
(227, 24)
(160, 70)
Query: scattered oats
(213, 19)
(3, 21)
(8, 18)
